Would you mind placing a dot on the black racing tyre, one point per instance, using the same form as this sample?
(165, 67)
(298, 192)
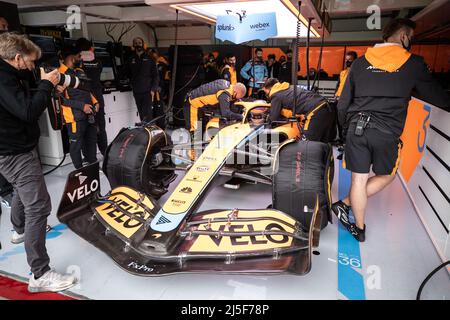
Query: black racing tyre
(132, 158)
(304, 169)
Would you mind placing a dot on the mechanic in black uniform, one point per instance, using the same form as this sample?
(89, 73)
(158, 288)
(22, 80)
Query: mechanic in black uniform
(163, 67)
(318, 115)
(93, 67)
(217, 95)
(375, 97)
(144, 79)
(79, 107)
(228, 71)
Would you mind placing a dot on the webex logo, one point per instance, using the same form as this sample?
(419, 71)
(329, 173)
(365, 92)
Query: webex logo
(260, 25)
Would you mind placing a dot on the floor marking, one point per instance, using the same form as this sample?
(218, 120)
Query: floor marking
(54, 232)
(12, 289)
(350, 280)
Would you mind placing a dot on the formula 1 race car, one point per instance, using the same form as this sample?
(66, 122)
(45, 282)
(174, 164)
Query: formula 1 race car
(150, 239)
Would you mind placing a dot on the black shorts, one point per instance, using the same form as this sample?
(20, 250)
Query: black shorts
(377, 148)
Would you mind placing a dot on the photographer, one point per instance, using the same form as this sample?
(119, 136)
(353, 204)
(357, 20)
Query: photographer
(19, 161)
(79, 109)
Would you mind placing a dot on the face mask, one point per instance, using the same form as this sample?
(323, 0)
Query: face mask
(87, 56)
(139, 48)
(348, 63)
(407, 47)
(77, 64)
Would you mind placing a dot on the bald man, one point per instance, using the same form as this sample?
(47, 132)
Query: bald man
(3, 24)
(218, 94)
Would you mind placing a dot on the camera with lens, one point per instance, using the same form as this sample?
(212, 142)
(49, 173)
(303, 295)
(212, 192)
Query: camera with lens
(69, 81)
(80, 82)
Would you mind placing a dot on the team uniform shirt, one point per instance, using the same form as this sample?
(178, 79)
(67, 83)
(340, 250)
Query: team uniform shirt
(214, 94)
(342, 77)
(73, 100)
(229, 73)
(382, 81)
(282, 99)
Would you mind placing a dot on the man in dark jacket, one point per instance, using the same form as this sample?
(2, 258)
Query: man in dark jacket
(273, 66)
(79, 107)
(285, 74)
(317, 114)
(375, 97)
(93, 69)
(144, 79)
(19, 160)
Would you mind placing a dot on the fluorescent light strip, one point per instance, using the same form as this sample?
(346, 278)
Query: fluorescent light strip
(193, 13)
(294, 11)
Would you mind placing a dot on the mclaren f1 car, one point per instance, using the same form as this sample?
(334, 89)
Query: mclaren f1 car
(149, 238)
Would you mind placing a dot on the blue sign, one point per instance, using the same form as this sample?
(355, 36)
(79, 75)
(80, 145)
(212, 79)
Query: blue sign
(252, 27)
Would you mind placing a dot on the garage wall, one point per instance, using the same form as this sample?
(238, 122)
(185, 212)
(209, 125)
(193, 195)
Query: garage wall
(186, 35)
(98, 33)
(425, 171)
(166, 35)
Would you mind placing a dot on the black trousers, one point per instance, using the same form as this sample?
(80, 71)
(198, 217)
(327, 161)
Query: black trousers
(320, 123)
(144, 105)
(82, 137)
(30, 206)
(102, 138)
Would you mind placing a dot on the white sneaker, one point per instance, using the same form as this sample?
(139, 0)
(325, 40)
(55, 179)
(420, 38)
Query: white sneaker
(51, 281)
(6, 203)
(17, 238)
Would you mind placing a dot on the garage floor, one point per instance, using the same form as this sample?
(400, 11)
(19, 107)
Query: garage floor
(391, 264)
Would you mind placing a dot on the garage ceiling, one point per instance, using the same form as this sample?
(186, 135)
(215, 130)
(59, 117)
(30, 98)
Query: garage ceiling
(348, 16)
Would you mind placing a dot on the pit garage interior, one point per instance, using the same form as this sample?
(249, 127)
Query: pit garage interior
(408, 223)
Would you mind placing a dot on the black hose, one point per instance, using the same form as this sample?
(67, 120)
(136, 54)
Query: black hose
(319, 62)
(294, 69)
(59, 165)
(190, 80)
(174, 66)
(419, 293)
(307, 53)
